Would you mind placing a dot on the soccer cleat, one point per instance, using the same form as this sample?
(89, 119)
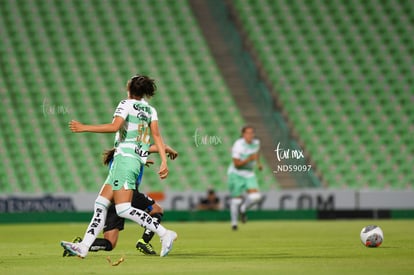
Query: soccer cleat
(234, 227)
(167, 242)
(145, 248)
(243, 217)
(242, 214)
(78, 249)
(67, 253)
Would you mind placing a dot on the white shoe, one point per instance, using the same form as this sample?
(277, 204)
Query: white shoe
(78, 249)
(167, 242)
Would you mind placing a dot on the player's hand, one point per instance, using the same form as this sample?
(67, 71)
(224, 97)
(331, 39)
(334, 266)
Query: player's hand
(163, 172)
(76, 126)
(149, 162)
(254, 157)
(171, 153)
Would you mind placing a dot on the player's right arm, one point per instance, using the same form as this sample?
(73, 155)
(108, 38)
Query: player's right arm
(239, 162)
(121, 113)
(237, 152)
(114, 126)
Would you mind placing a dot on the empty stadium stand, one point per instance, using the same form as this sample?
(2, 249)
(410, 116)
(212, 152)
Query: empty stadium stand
(343, 74)
(63, 60)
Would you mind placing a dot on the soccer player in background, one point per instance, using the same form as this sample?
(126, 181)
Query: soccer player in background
(114, 223)
(134, 122)
(242, 181)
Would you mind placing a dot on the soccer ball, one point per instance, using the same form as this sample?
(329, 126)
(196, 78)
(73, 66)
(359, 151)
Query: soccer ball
(372, 236)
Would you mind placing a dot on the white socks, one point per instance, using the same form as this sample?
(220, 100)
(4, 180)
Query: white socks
(239, 205)
(234, 209)
(125, 210)
(251, 200)
(98, 221)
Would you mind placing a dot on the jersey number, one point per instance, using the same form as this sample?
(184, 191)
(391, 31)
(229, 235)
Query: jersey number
(143, 133)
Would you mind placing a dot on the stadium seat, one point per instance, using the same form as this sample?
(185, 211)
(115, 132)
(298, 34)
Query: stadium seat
(339, 69)
(71, 60)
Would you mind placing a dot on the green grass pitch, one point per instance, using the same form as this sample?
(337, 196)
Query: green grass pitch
(258, 247)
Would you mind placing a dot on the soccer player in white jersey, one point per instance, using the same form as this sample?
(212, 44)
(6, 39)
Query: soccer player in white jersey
(114, 224)
(241, 175)
(134, 122)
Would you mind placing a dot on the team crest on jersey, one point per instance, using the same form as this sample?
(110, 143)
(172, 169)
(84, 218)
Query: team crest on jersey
(143, 112)
(142, 115)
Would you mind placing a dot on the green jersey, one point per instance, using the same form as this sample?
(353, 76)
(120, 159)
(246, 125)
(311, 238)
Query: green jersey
(133, 139)
(242, 150)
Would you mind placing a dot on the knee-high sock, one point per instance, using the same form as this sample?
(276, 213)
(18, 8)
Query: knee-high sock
(101, 244)
(251, 200)
(98, 221)
(125, 210)
(234, 210)
(148, 234)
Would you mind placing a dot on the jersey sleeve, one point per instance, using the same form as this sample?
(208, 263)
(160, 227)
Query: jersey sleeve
(154, 114)
(236, 151)
(122, 109)
(257, 141)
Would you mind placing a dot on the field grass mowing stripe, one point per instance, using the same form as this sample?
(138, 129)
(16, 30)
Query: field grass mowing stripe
(269, 247)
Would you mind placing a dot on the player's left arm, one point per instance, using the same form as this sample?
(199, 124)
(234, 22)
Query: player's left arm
(149, 162)
(258, 162)
(171, 153)
(159, 143)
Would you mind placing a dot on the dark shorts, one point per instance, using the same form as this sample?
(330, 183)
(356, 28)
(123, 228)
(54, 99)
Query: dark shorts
(139, 200)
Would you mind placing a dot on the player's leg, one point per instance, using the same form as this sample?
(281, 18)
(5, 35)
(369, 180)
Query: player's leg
(253, 197)
(96, 225)
(124, 209)
(146, 203)
(122, 176)
(156, 212)
(128, 170)
(113, 225)
(235, 184)
(108, 242)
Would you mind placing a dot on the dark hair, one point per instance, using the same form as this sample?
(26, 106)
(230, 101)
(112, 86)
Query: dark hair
(245, 128)
(141, 85)
(107, 156)
(211, 192)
